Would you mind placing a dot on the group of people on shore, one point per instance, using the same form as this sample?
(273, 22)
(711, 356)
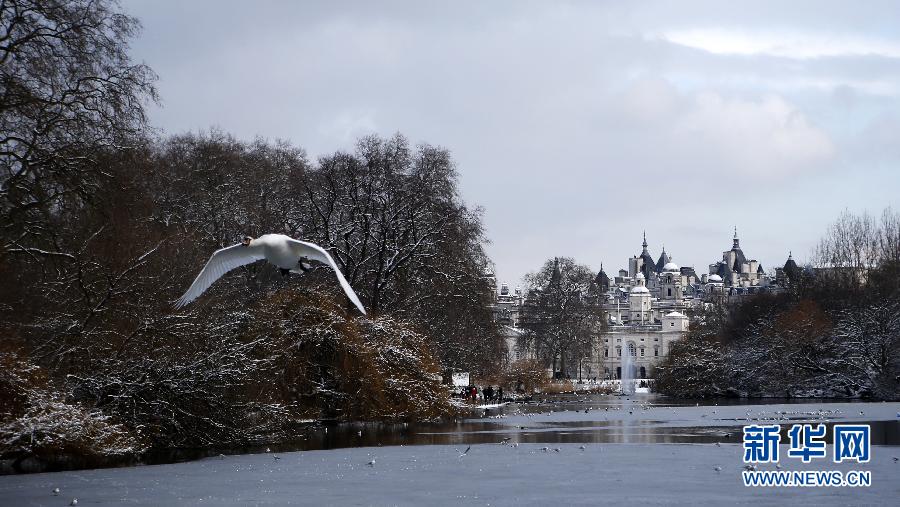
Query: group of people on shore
(486, 394)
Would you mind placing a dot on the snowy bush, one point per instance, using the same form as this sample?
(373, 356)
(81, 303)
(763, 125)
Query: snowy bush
(36, 421)
(326, 365)
(529, 374)
(50, 428)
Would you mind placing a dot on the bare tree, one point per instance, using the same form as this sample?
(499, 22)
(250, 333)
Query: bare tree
(68, 91)
(562, 314)
(395, 224)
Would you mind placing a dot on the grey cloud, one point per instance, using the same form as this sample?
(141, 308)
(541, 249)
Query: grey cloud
(574, 124)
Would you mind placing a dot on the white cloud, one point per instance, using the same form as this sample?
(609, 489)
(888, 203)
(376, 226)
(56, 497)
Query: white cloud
(796, 45)
(707, 133)
(347, 126)
(766, 137)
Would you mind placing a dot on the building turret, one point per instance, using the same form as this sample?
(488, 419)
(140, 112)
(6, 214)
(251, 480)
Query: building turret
(791, 270)
(670, 282)
(602, 280)
(639, 303)
(663, 260)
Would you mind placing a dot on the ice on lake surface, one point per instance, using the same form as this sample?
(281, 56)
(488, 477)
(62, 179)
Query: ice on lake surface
(643, 468)
(608, 419)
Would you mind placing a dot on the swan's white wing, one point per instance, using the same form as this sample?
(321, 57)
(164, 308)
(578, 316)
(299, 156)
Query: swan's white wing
(317, 253)
(221, 262)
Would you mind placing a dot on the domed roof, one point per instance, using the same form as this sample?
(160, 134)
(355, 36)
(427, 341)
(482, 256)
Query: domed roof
(671, 266)
(715, 278)
(640, 276)
(639, 289)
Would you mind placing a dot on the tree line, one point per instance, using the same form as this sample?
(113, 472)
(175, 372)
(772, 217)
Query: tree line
(104, 223)
(834, 332)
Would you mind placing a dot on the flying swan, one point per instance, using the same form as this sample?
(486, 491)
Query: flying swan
(286, 253)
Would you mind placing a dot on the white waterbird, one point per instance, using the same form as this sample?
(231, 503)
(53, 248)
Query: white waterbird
(286, 253)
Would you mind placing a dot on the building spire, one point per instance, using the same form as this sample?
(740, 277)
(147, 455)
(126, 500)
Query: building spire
(737, 243)
(644, 244)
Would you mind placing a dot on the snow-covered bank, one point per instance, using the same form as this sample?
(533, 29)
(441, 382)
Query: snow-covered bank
(488, 474)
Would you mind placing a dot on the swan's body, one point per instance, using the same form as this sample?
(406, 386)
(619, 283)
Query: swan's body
(286, 253)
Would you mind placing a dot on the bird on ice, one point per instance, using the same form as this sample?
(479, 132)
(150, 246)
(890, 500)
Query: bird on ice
(286, 253)
(464, 452)
(371, 463)
(55, 491)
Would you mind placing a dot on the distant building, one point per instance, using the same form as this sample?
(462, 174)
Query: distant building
(736, 271)
(646, 307)
(507, 311)
(646, 311)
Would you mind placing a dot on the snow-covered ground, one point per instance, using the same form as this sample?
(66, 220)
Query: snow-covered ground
(490, 474)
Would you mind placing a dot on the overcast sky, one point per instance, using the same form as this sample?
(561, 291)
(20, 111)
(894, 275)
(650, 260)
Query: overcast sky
(574, 125)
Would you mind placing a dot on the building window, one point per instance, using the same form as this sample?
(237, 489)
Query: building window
(656, 351)
(670, 292)
(605, 352)
(671, 324)
(642, 351)
(619, 351)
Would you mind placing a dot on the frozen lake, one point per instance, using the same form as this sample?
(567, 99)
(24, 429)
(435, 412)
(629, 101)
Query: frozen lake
(609, 419)
(637, 449)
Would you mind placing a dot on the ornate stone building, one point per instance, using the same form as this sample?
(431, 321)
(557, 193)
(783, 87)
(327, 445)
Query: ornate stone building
(646, 307)
(735, 270)
(646, 311)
